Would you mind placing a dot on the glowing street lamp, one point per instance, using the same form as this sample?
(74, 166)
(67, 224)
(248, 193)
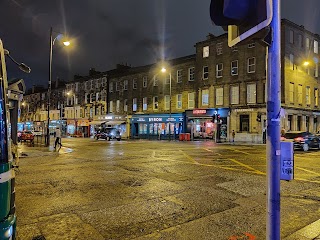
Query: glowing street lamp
(66, 43)
(51, 43)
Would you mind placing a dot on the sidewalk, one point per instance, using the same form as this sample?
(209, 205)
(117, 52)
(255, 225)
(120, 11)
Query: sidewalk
(25, 150)
(310, 232)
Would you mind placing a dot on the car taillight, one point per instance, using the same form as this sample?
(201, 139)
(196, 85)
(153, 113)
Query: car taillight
(299, 139)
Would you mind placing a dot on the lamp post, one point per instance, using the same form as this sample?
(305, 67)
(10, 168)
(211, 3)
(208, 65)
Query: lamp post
(163, 69)
(51, 43)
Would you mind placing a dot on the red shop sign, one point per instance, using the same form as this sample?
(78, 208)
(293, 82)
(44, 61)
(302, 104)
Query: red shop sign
(199, 111)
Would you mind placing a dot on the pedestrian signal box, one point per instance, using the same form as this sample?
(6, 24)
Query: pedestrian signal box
(286, 161)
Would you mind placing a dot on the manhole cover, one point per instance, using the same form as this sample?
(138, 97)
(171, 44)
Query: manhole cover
(132, 183)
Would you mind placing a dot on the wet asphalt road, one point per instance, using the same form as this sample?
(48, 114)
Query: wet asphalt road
(158, 190)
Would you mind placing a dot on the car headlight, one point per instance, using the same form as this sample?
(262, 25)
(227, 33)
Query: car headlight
(8, 233)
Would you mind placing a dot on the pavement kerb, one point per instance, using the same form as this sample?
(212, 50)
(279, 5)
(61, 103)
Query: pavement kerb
(241, 143)
(310, 232)
(29, 151)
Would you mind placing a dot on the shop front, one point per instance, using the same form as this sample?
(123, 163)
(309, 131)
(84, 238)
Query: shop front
(54, 124)
(208, 123)
(83, 128)
(157, 126)
(249, 124)
(71, 127)
(118, 122)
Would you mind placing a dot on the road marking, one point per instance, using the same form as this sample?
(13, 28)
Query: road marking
(309, 171)
(207, 165)
(246, 166)
(187, 156)
(235, 150)
(306, 180)
(208, 150)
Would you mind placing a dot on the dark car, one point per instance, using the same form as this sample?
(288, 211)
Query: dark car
(108, 134)
(302, 140)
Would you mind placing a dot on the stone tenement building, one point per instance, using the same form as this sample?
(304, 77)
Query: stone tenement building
(215, 91)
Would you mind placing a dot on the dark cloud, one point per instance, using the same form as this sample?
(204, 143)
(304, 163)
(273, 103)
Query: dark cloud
(107, 32)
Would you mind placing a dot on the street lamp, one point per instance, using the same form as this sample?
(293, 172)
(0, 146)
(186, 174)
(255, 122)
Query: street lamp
(51, 43)
(164, 70)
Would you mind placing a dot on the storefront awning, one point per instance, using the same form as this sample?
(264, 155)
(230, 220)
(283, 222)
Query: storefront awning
(96, 122)
(113, 123)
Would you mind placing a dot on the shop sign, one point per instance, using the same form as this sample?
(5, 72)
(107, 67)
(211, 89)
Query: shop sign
(83, 123)
(141, 120)
(70, 122)
(171, 119)
(199, 111)
(155, 119)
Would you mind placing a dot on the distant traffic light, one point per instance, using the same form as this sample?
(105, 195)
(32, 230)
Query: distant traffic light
(246, 19)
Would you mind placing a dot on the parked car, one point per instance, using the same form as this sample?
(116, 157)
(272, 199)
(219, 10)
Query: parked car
(26, 136)
(302, 140)
(108, 134)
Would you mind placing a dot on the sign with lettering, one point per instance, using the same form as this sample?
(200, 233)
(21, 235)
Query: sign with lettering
(141, 120)
(199, 111)
(286, 161)
(173, 119)
(155, 119)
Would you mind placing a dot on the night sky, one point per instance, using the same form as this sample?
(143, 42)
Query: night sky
(106, 32)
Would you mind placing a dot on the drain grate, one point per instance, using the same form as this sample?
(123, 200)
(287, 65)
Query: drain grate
(39, 237)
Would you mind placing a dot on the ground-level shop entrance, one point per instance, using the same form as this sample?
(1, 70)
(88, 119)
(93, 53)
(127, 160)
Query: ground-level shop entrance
(209, 123)
(157, 126)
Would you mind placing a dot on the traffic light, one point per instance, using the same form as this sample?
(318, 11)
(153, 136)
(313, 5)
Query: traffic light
(246, 19)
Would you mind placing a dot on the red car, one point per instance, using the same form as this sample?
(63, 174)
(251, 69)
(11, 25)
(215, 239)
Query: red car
(26, 136)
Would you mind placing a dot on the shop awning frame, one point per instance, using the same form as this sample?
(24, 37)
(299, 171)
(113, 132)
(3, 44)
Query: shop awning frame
(113, 123)
(96, 122)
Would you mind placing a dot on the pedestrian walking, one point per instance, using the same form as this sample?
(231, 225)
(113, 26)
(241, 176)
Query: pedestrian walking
(233, 135)
(264, 135)
(58, 138)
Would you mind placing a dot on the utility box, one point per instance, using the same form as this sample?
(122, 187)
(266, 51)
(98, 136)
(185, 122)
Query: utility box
(286, 161)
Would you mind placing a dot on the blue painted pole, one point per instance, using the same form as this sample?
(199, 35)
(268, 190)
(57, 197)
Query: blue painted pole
(273, 127)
